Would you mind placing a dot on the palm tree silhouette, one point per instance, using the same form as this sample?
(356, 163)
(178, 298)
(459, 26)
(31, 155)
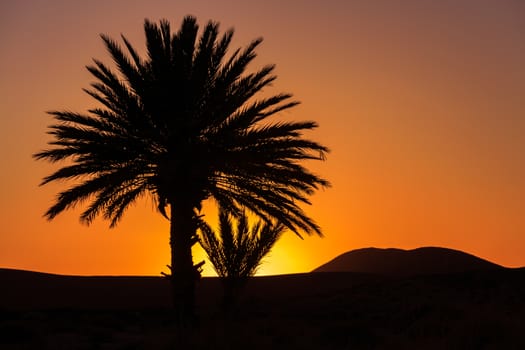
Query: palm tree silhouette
(182, 125)
(236, 251)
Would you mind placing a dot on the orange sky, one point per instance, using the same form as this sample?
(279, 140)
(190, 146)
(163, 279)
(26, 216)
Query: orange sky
(422, 103)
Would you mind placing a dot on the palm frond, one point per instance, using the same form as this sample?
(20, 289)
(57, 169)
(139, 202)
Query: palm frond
(183, 122)
(236, 249)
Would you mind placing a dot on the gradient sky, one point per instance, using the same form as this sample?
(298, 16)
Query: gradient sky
(421, 102)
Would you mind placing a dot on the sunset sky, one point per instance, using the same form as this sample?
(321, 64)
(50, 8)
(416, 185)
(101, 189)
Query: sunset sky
(422, 104)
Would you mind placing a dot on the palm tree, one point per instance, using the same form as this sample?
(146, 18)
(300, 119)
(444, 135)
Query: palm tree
(236, 252)
(182, 125)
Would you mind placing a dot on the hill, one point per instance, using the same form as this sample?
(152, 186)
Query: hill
(399, 262)
(35, 290)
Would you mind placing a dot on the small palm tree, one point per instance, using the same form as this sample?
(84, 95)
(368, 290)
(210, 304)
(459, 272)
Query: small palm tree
(182, 125)
(236, 251)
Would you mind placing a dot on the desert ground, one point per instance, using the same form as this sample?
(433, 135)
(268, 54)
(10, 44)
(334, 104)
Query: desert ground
(343, 310)
(478, 310)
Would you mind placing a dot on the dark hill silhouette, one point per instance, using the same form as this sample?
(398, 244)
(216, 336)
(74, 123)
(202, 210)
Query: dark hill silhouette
(28, 289)
(392, 261)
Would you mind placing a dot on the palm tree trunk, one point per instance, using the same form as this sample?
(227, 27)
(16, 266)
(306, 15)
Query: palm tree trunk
(183, 274)
(233, 287)
(228, 299)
